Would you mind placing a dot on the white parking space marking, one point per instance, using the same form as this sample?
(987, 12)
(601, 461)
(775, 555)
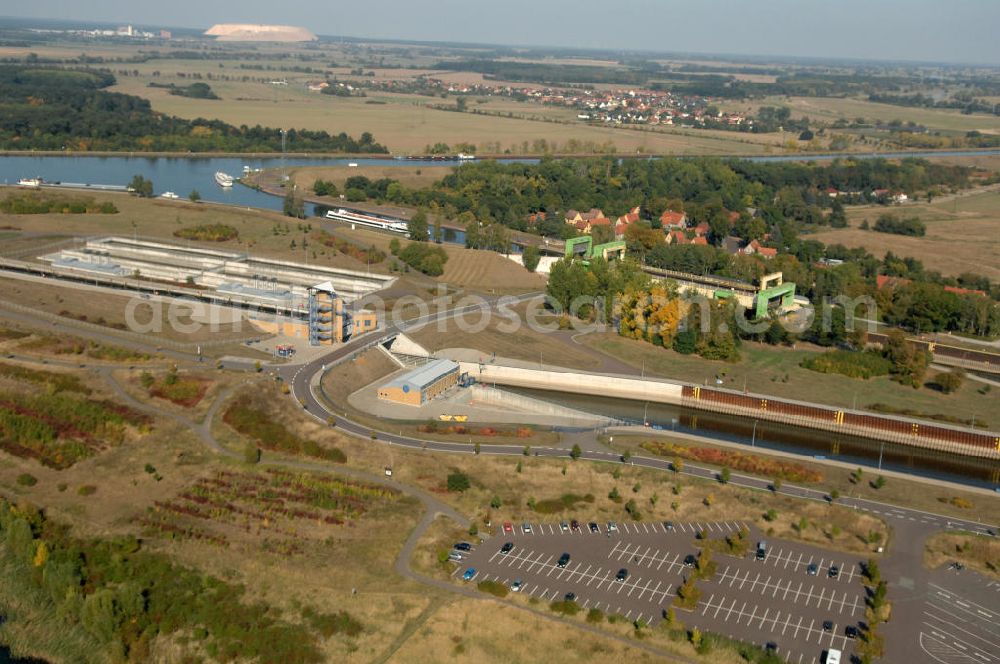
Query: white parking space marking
(994, 645)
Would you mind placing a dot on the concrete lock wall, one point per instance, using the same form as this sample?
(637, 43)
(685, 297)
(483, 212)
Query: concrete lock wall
(577, 383)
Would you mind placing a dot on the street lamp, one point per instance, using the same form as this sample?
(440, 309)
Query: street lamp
(753, 437)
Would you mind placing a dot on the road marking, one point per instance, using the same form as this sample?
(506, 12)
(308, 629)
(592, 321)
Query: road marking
(763, 618)
(993, 645)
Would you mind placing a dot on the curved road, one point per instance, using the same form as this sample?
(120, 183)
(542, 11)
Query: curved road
(303, 378)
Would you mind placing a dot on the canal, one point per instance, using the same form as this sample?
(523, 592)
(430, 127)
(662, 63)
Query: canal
(808, 443)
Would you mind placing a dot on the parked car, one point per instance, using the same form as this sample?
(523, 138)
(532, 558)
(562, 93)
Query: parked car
(463, 546)
(508, 527)
(563, 560)
(516, 586)
(570, 597)
(526, 528)
(851, 632)
(469, 573)
(834, 572)
(761, 550)
(690, 560)
(594, 528)
(621, 575)
(455, 557)
(827, 625)
(668, 525)
(506, 548)
(563, 526)
(812, 569)
(612, 527)
(574, 524)
(832, 656)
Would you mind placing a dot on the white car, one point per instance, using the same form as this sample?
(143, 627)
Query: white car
(612, 527)
(526, 528)
(516, 586)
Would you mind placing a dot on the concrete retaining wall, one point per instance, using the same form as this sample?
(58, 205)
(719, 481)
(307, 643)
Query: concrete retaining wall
(578, 383)
(489, 396)
(407, 346)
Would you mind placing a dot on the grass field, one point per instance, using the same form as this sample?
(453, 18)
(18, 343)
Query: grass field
(521, 344)
(286, 562)
(963, 234)
(473, 269)
(897, 491)
(979, 552)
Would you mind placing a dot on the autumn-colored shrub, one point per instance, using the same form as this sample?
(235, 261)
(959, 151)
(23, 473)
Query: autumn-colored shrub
(741, 461)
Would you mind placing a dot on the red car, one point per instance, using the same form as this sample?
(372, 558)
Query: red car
(507, 527)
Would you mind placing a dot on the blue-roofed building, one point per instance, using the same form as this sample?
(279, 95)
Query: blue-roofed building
(421, 384)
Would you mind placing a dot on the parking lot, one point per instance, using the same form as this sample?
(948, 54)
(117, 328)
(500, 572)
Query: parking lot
(800, 598)
(961, 621)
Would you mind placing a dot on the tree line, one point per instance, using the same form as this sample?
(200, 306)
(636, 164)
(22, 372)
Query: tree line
(56, 109)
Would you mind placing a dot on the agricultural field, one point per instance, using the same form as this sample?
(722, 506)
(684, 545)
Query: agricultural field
(830, 109)
(406, 125)
(963, 233)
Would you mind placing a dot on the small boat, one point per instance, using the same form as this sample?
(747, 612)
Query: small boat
(353, 164)
(169, 194)
(465, 157)
(34, 183)
(223, 179)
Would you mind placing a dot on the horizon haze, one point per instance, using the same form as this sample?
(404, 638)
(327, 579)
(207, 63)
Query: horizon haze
(916, 31)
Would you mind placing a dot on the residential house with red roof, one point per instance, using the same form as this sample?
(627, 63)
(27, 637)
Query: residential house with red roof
(670, 219)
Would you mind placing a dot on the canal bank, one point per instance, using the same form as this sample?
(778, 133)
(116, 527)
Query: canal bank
(859, 437)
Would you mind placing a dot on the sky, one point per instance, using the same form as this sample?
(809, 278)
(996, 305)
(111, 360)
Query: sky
(956, 31)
